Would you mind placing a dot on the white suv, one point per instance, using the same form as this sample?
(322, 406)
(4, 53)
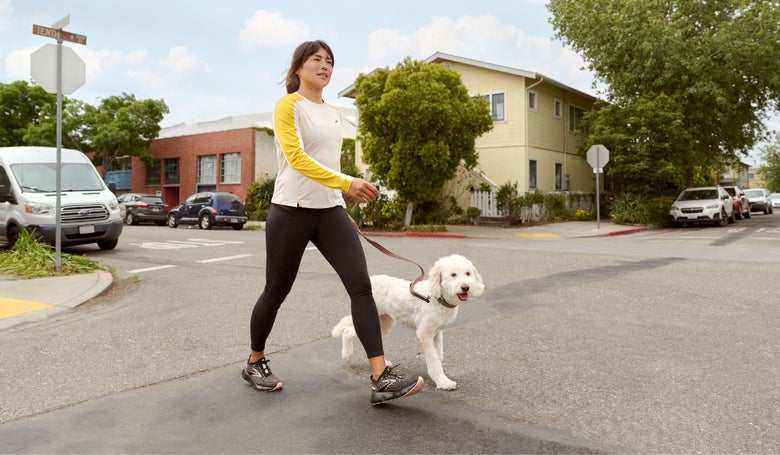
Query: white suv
(707, 204)
(759, 200)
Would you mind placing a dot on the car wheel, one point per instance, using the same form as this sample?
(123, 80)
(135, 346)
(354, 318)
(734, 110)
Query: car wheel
(722, 219)
(12, 235)
(108, 244)
(130, 219)
(172, 222)
(205, 222)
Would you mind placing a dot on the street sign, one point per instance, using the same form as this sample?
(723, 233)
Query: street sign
(43, 68)
(59, 34)
(598, 156)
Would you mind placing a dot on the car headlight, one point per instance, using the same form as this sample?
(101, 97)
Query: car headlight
(113, 205)
(714, 205)
(37, 208)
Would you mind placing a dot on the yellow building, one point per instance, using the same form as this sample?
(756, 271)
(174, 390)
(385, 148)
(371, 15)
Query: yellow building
(533, 142)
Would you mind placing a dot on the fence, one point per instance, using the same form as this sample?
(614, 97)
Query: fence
(485, 201)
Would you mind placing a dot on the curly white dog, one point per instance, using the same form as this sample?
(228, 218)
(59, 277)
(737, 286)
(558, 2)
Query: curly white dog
(451, 281)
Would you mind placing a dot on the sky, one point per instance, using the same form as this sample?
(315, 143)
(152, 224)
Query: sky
(214, 59)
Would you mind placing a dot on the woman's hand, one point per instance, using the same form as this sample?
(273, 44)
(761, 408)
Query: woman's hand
(362, 191)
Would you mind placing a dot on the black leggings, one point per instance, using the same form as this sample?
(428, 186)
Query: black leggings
(288, 231)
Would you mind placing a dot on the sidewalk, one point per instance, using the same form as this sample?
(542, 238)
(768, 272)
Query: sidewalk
(33, 299)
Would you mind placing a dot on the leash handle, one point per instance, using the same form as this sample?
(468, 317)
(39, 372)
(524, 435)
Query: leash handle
(391, 254)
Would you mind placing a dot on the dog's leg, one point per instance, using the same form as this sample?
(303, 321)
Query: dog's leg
(346, 343)
(438, 341)
(432, 360)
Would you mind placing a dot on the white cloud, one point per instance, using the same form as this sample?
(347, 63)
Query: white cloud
(17, 64)
(182, 63)
(485, 38)
(6, 14)
(266, 29)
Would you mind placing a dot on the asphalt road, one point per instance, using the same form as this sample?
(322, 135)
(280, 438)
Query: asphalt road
(651, 343)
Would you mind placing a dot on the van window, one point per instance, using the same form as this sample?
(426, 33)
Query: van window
(42, 177)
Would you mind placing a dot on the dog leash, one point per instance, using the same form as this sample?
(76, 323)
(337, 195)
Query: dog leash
(384, 250)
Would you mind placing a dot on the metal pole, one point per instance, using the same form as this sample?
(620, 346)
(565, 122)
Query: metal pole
(598, 189)
(58, 230)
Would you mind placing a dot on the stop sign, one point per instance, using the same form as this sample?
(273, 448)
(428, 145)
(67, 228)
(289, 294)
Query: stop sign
(597, 156)
(43, 69)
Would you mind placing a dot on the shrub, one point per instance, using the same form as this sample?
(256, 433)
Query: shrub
(258, 198)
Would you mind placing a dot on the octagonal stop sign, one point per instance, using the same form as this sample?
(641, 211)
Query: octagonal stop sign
(43, 69)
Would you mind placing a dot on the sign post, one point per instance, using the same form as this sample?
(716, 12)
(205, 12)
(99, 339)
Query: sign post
(598, 156)
(74, 75)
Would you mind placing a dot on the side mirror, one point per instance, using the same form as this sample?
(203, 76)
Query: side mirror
(6, 195)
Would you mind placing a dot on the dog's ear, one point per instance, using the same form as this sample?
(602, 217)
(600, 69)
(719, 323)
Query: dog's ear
(480, 285)
(434, 279)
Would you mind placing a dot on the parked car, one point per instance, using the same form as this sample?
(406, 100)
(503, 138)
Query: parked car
(759, 200)
(709, 204)
(741, 202)
(208, 209)
(143, 207)
(775, 197)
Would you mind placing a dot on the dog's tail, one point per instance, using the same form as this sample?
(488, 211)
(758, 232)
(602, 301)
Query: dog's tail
(344, 325)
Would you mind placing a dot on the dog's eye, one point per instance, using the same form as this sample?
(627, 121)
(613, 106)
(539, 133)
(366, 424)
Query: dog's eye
(453, 274)
(468, 273)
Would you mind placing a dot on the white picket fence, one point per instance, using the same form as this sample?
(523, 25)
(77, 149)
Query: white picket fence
(485, 201)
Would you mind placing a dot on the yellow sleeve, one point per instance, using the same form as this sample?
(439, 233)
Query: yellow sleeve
(288, 136)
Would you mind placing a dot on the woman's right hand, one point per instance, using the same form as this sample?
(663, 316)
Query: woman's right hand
(362, 190)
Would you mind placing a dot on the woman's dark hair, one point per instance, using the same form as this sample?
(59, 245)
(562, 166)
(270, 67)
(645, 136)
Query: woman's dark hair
(302, 52)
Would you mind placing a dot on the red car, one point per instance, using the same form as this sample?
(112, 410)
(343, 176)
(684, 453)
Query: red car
(741, 202)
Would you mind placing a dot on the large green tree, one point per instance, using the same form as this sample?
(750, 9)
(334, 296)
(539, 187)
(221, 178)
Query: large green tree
(688, 83)
(118, 126)
(770, 170)
(20, 107)
(417, 125)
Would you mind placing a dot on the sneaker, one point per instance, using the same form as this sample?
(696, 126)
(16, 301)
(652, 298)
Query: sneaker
(259, 375)
(390, 386)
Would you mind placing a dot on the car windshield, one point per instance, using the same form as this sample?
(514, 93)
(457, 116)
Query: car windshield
(699, 195)
(42, 177)
(152, 199)
(754, 193)
(775, 196)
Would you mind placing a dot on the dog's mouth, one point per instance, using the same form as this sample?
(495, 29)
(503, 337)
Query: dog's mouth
(463, 296)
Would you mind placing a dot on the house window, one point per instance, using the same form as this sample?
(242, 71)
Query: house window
(532, 174)
(558, 108)
(207, 169)
(172, 170)
(559, 176)
(153, 173)
(230, 168)
(531, 100)
(575, 119)
(497, 107)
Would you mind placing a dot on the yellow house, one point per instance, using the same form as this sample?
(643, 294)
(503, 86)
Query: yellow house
(533, 142)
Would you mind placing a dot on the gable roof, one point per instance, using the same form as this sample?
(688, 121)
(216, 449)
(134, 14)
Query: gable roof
(441, 57)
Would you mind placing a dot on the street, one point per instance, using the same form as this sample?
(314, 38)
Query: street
(661, 341)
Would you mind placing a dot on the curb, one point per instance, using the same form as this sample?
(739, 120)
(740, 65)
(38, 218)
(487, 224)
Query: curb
(627, 231)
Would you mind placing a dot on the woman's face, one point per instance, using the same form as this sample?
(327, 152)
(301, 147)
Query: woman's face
(316, 70)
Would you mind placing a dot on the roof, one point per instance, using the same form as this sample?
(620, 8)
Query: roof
(439, 57)
(261, 120)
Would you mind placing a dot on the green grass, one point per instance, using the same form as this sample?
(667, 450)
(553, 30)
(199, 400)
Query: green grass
(30, 258)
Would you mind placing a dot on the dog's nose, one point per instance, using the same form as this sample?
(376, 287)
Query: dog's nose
(464, 288)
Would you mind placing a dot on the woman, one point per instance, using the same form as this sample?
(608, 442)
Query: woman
(308, 205)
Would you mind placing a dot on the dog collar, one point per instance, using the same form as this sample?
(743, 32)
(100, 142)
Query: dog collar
(441, 300)
(445, 303)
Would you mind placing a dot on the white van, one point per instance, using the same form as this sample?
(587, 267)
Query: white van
(28, 195)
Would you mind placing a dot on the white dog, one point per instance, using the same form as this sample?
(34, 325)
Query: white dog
(451, 281)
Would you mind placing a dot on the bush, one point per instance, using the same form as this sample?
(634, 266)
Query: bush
(258, 198)
(30, 258)
(630, 208)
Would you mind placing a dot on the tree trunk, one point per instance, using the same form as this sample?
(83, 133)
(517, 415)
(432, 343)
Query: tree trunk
(408, 218)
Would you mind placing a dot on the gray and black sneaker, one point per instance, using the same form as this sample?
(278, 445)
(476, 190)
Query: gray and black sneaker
(259, 375)
(390, 386)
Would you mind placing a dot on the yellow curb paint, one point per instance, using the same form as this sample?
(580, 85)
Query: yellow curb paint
(539, 235)
(14, 307)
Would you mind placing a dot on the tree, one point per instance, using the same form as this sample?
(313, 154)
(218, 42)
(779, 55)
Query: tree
(688, 83)
(770, 171)
(20, 105)
(417, 125)
(119, 126)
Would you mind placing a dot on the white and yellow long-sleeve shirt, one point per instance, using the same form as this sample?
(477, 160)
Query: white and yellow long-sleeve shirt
(308, 140)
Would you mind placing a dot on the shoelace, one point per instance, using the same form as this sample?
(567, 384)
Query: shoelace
(263, 364)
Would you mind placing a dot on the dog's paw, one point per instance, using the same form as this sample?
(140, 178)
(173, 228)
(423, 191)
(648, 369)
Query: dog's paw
(446, 385)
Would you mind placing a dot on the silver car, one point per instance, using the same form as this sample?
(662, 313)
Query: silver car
(775, 198)
(708, 204)
(759, 200)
